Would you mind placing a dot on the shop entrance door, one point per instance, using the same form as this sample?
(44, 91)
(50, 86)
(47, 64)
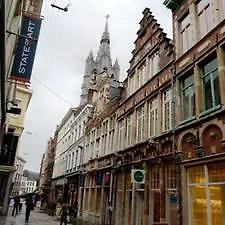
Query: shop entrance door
(139, 208)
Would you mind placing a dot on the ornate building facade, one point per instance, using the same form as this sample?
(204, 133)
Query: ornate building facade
(199, 28)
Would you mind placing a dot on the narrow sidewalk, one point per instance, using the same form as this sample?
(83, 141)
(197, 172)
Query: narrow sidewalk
(36, 218)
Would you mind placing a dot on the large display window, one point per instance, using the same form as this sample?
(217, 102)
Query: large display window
(206, 189)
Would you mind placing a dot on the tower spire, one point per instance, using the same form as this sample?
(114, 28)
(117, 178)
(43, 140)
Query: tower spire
(105, 35)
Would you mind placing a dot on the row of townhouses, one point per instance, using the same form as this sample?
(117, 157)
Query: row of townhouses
(150, 149)
(19, 29)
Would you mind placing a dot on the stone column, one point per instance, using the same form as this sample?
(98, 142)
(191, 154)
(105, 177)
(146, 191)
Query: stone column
(89, 195)
(197, 87)
(177, 109)
(192, 10)
(146, 195)
(221, 66)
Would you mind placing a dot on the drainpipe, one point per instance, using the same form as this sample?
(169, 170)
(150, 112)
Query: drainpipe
(176, 155)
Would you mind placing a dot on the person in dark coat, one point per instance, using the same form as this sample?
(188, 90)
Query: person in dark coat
(16, 205)
(29, 206)
(64, 213)
(74, 209)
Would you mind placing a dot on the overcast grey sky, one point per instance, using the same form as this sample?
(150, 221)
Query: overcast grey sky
(65, 41)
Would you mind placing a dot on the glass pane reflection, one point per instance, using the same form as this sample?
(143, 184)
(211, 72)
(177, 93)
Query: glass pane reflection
(198, 205)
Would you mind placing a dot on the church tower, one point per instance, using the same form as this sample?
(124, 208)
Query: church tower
(95, 69)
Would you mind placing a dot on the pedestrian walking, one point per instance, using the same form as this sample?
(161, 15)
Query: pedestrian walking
(74, 209)
(29, 206)
(64, 214)
(16, 204)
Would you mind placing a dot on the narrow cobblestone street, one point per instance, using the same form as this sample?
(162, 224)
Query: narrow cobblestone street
(37, 217)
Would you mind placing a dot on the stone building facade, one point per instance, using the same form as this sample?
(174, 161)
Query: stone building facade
(17, 177)
(60, 164)
(145, 132)
(46, 170)
(199, 28)
(167, 119)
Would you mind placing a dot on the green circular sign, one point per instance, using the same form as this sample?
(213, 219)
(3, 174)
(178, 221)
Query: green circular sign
(138, 176)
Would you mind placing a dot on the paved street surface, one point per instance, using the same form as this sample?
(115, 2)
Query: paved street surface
(37, 217)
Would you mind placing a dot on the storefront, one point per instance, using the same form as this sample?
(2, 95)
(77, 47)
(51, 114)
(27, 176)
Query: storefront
(206, 194)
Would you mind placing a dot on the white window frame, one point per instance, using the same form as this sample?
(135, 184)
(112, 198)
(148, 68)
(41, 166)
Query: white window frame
(167, 105)
(206, 184)
(154, 64)
(206, 14)
(185, 33)
(120, 134)
(129, 129)
(140, 119)
(153, 119)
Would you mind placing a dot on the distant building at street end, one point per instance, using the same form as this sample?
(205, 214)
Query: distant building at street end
(28, 182)
(46, 170)
(17, 177)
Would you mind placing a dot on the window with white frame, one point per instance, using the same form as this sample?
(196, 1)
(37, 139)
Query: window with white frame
(205, 17)
(187, 97)
(132, 83)
(120, 135)
(167, 108)
(140, 123)
(136, 81)
(142, 75)
(72, 163)
(154, 64)
(206, 188)
(210, 84)
(185, 33)
(153, 117)
(129, 129)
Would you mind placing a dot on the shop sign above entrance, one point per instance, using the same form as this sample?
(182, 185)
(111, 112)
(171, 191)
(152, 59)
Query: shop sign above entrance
(137, 176)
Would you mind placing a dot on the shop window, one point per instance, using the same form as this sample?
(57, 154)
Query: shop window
(153, 118)
(155, 178)
(210, 84)
(185, 33)
(171, 177)
(187, 97)
(207, 198)
(216, 172)
(196, 174)
(205, 17)
(167, 108)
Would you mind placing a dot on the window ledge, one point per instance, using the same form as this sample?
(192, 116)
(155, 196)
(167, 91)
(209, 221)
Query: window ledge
(187, 120)
(209, 111)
